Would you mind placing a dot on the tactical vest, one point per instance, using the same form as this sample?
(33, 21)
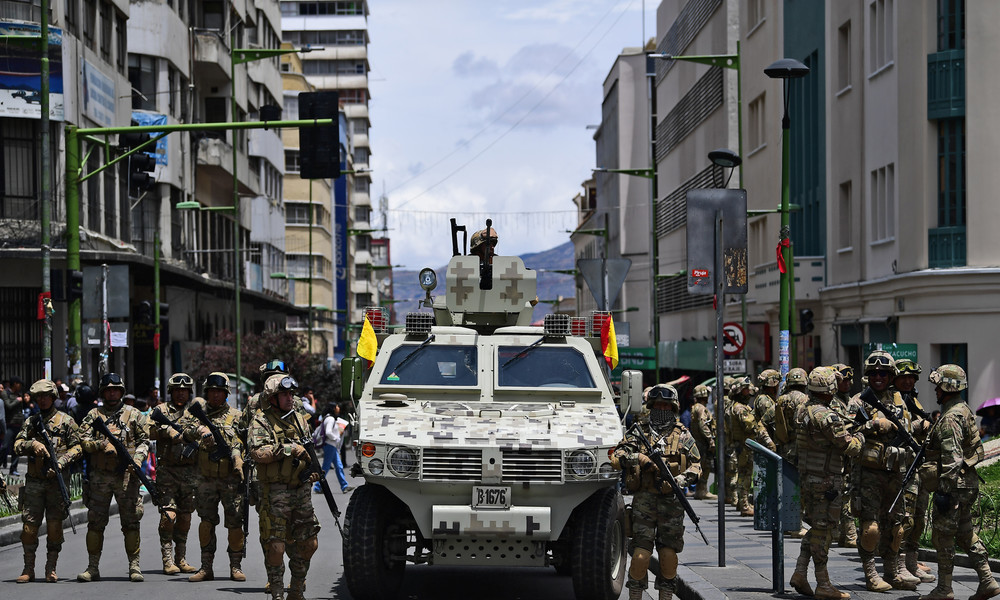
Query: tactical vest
(122, 424)
(168, 450)
(226, 420)
(816, 454)
(57, 423)
(879, 452)
(674, 457)
(285, 470)
(972, 446)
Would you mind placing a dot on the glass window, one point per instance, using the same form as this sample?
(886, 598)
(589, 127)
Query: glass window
(142, 77)
(414, 364)
(543, 366)
(106, 39)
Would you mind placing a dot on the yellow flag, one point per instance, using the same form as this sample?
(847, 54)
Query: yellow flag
(609, 343)
(368, 343)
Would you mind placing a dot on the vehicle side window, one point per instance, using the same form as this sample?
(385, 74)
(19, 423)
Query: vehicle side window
(543, 367)
(432, 365)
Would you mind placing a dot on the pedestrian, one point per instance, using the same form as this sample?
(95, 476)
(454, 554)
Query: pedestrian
(106, 480)
(332, 427)
(41, 493)
(309, 402)
(657, 513)
(288, 522)
(16, 405)
(822, 439)
(177, 473)
(703, 430)
(84, 399)
(848, 531)
(745, 426)
(953, 451)
(881, 467)
(220, 479)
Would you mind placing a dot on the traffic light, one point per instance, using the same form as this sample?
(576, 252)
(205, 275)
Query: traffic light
(164, 315)
(319, 147)
(74, 285)
(144, 313)
(140, 173)
(806, 321)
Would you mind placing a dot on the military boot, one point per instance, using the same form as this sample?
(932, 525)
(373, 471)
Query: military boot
(206, 572)
(849, 536)
(943, 590)
(800, 578)
(825, 589)
(910, 559)
(634, 594)
(894, 575)
(92, 573)
(235, 566)
(50, 566)
(873, 581)
(28, 574)
(132, 552)
(988, 586)
(744, 507)
(701, 492)
(296, 589)
(167, 552)
(180, 558)
(667, 589)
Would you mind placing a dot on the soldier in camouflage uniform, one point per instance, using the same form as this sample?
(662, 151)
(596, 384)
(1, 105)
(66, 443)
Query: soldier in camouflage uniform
(287, 520)
(765, 402)
(41, 496)
(657, 515)
(176, 476)
(219, 480)
(908, 372)
(703, 430)
(953, 450)
(787, 405)
(731, 461)
(128, 425)
(822, 439)
(881, 467)
(478, 245)
(267, 370)
(744, 425)
(841, 403)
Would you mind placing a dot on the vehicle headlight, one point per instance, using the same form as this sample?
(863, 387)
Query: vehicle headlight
(581, 463)
(607, 471)
(403, 461)
(376, 466)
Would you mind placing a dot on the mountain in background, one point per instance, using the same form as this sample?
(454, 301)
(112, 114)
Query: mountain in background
(407, 290)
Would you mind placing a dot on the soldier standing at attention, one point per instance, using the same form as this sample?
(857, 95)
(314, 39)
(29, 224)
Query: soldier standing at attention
(220, 476)
(129, 426)
(822, 440)
(42, 497)
(176, 477)
(287, 520)
(764, 403)
(746, 426)
(784, 415)
(703, 430)
(882, 465)
(841, 403)
(657, 514)
(731, 461)
(953, 450)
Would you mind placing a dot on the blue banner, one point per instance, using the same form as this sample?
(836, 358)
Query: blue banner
(149, 118)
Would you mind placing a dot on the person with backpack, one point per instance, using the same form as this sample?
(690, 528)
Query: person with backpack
(330, 433)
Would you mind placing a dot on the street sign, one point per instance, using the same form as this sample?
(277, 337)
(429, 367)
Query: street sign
(592, 270)
(734, 366)
(702, 205)
(733, 338)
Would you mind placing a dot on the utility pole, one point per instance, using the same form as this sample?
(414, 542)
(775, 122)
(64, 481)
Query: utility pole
(46, 195)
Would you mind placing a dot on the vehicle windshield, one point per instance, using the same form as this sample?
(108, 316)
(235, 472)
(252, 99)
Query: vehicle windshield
(432, 365)
(545, 366)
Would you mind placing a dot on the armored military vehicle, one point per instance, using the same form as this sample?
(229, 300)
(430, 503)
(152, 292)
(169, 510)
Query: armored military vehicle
(484, 440)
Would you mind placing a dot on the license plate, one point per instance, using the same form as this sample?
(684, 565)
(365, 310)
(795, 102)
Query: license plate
(484, 496)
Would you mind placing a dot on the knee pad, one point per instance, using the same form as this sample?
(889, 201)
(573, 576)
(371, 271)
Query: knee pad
(206, 532)
(869, 535)
(274, 552)
(897, 538)
(308, 547)
(95, 541)
(640, 564)
(236, 540)
(29, 535)
(183, 523)
(668, 562)
(167, 521)
(55, 533)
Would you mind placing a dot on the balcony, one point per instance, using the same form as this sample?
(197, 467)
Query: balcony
(946, 247)
(946, 84)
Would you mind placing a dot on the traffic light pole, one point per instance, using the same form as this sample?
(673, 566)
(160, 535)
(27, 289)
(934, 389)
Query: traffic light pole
(75, 176)
(46, 193)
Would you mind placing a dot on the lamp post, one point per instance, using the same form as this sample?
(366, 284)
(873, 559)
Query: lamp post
(785, 69)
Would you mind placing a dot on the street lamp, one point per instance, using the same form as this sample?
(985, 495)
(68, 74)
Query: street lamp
(785, 69)
(727, 159)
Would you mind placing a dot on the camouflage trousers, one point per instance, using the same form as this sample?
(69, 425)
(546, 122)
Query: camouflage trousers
(213, 491)
(846, 513)
(919, 501)
(731, 466)
(744, 474)
(124, 488)
(954, 527)
(657, 517)
(41, 498)
(177, 485)
(286, 513)
(874, 492)
(707, 461)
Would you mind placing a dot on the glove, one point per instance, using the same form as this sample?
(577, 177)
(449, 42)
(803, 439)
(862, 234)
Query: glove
(109, 449)
(645, 462)
(39, 449)
(883, 425)
(206, 437)
(62, 463)
(174, 435)
(299, 451)
(942, 502)
(238, 464)
(315, 476)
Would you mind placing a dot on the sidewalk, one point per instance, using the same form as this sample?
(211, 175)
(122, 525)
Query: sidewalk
(748, 572)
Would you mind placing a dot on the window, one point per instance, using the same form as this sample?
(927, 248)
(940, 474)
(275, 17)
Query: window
(360, 127)
(844, 56)
(361, 184)
(881, 24)
(353, 96)
(172, 89)
(106, 38)
(951, 25)
(334, 67)
(142, 77)
(297, 214)
(361, 155)
(213, 15)
(19, 183)
(413, 364)
(184, 98)
(291, 110)
(757, 243)
(541, 366)
(883, 201)
(362, 214)
(755, 14)
(363, 243)
(89, 22)
(110, 204)
(215, 112)
(362, 273)
(844, 218)
(756, 117)
(951, 173)
(292, 161)
(121, 43)
(72, 15)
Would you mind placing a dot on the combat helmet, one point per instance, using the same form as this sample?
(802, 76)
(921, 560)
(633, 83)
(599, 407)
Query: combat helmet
(701, 392)
(217, 381)
(769, 378)
(797, 376)
(906, 366)
(479, 238)
(823, 380)
(272, 367)
(950, 378)
(181, 381)
(43, 386)
(279, 382)
(111, 380)
(846, 371)
(663, 392)
(742, 383)
(880, 360)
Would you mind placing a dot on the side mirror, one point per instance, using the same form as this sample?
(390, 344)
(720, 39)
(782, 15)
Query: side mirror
(352, 377)
(359, 377)
(631, 398)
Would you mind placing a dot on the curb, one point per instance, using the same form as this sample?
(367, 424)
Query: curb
(961, 560)
(10, 527)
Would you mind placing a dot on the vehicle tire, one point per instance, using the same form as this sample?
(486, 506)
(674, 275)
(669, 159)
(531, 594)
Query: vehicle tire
(598, 552)
(370, 526)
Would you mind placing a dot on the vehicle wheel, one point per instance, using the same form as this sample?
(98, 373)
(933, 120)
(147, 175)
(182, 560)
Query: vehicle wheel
(372, 564)
(598, 554)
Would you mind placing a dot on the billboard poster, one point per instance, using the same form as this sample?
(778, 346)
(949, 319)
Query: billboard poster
(98, 95)
(151, 118)
(21, 71)
(340, 258)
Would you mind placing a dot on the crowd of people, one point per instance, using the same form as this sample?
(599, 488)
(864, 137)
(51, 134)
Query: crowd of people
(193, 454)
(852, 454)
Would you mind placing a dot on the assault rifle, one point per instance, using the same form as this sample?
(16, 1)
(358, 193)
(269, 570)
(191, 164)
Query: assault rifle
(903, 436)
(666, 475)
(222, 449)
(43, 432)
(305, 440)
(125, 459)
(189, 448)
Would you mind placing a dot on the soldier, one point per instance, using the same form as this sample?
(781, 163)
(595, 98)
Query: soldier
(821, 441)
(42, 495)
(764, 403)
(731, 466)
(703, 430)
(272, 367)
(786, 407)
(176, 476)
(953, 450)
(105, 481)
(478, 245)
(841, 403)
(917, 496)
(745, 426)
(657, 514)
(220, 475)
(882, 465)
(287, 520)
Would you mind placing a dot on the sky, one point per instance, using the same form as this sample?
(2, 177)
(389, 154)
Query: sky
(485, 109)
